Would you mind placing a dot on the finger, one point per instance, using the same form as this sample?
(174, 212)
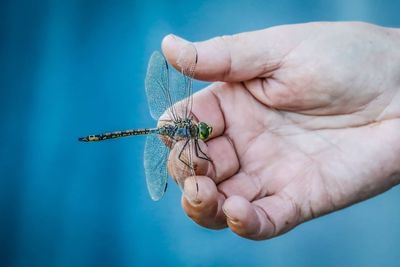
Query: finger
(203, 203)
(249, 187)
(181, 157)
(231, 58)
(225, 162)
(220, 150)
(261, 219)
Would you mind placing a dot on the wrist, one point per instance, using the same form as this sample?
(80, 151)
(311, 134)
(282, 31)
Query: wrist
(392, 74)
(393, 109)
(396, 98)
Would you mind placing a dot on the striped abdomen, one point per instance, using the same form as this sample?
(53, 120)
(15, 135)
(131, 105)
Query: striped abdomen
(117, 134)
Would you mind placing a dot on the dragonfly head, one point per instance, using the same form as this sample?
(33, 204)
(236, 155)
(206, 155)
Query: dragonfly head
(204, 130)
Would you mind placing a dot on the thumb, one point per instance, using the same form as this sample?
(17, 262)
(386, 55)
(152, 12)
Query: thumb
(230, 58)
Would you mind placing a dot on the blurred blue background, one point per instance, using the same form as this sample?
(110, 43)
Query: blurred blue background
(77, 67)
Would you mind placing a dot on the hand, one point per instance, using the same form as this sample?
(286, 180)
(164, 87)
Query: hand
(306, 121)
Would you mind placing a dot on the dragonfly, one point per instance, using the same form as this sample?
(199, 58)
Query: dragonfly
(179, 125)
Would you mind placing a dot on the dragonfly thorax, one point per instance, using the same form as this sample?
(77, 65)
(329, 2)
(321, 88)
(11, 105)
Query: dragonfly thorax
(186, 129)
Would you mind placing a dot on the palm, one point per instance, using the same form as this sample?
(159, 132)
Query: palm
(279, 155)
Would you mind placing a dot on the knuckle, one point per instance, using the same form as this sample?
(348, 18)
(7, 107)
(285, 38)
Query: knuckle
(224, 44)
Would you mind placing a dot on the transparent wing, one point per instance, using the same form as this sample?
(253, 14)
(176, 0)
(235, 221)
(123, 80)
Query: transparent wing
(157, 85)
(187, 62)
(178, 92)
(155, 160)
(160, 95)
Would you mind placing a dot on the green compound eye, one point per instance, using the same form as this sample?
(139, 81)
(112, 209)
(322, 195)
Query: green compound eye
(204, 130)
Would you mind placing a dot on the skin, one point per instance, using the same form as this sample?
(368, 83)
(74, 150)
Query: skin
(306, 121)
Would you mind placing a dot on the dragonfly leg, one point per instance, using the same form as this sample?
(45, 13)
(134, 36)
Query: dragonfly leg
(197, 149)
(190, 167)
(180, 154)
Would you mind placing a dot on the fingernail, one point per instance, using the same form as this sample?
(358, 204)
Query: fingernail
(230, 218)
(191, 189)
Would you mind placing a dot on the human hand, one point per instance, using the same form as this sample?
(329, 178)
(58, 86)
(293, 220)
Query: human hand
(306, 121)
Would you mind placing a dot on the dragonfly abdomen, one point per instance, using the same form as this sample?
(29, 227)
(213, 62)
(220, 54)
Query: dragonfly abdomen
(117, 134)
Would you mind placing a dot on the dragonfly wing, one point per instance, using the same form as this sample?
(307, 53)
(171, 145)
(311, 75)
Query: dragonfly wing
(155, 160)
(187, 61)
(160, 95)
(157, 85)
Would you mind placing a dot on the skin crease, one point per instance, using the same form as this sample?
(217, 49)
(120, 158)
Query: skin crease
(306, 121)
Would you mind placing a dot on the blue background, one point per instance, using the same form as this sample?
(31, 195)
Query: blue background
(77, 67)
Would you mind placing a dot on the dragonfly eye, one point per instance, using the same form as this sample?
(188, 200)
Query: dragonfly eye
(204, 130)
